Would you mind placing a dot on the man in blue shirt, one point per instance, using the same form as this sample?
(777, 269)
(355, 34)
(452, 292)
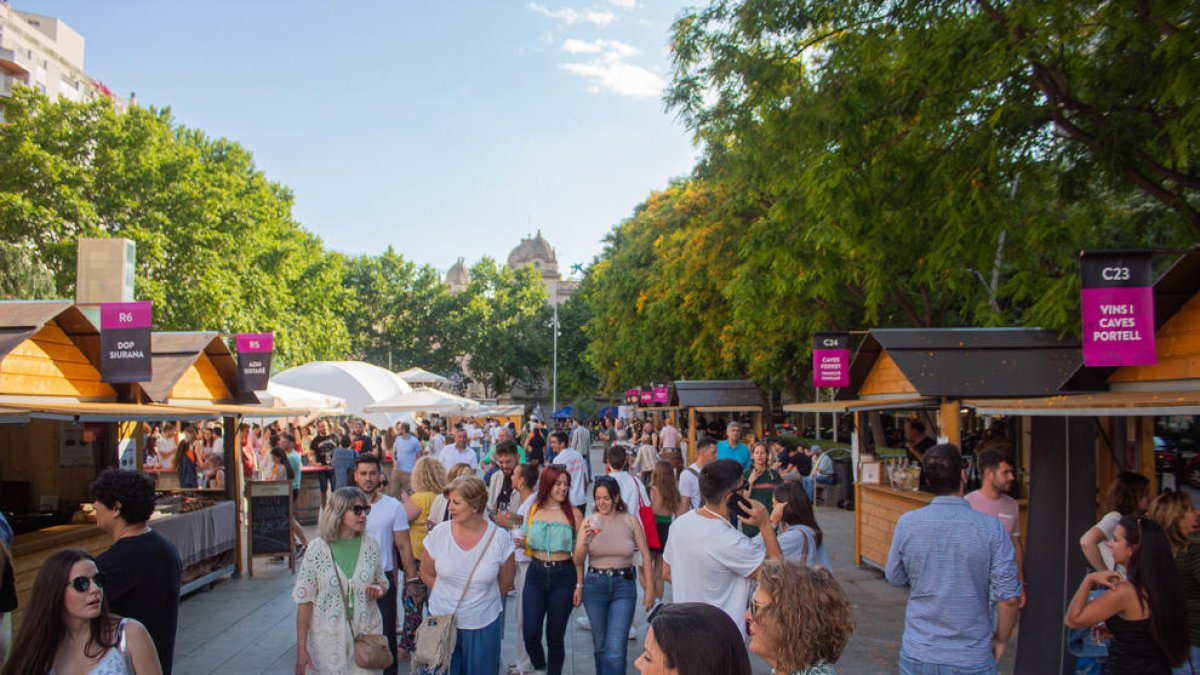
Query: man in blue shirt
(954, 561)
(733, 448)
(405, 452)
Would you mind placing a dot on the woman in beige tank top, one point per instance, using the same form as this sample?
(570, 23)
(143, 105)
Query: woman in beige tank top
(609, 538)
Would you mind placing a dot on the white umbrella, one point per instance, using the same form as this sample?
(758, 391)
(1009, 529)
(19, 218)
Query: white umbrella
(423, 400)
(360, 384)
(421, 376)
(279, 395)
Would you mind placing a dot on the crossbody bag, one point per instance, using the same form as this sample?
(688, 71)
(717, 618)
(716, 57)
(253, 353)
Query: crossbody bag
(437, 635)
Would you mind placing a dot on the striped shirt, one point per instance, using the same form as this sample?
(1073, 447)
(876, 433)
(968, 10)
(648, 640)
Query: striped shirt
(954, 560)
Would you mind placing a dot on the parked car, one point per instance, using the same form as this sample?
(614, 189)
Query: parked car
(1168, 462)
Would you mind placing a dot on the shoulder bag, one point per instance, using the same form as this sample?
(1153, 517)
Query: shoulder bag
(649, 525)
(371, 651)
(437, 635)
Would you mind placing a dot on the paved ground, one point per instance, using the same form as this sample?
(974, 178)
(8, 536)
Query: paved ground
(249, 625)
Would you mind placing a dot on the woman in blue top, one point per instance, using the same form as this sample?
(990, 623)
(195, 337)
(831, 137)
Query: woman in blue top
(552, 587)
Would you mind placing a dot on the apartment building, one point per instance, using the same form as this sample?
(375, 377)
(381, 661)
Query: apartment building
(44, 53)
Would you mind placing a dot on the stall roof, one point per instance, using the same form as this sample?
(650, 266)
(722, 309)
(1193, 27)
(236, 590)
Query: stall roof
(21, 319)
(728, 408)
(738, 394)
(1174, 289)
(1118, 403)
(902, 403)
(960, 362)
(253, 411)
(108, 412)
(174, 353)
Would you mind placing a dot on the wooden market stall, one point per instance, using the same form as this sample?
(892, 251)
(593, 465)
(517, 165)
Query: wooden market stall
(63, 426)
(718, 397)
(929, 372)
(1080, 440)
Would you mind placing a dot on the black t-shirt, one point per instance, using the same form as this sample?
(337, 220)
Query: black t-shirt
(362, 443)
(315, 447)
(143, 584)
(924, 444)
(798, 459)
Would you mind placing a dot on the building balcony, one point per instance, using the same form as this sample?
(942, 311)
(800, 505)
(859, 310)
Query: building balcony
(14, 62)
(7, 82)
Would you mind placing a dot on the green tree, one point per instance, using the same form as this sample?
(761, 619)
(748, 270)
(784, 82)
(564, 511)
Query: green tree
(217, 246)
(21, 276)
(577, 379)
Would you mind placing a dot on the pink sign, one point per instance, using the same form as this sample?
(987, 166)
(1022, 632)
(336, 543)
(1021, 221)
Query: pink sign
(1117, 307)
(662, 395)
(125, 315)
(1118, 326)
(250, 343)
(647, 396)
(831, 360)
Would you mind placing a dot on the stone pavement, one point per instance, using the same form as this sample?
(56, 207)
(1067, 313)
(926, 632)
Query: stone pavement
(248, 626)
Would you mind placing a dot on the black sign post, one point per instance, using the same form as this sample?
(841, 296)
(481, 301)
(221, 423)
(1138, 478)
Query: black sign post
(125, 354)
(1117, 304)
(254, 361)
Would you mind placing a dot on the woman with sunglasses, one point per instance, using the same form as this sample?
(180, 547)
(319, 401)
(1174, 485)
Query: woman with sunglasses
(68, 628)
(552, 585)
(607, 541)
(1146, 613)
(799, 619)
(341, 572)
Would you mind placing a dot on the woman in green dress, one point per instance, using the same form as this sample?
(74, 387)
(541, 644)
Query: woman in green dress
(761, 480)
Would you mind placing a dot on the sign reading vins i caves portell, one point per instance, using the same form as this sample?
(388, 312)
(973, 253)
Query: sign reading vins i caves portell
(125, 342)
(831, 360)
(254, 360)
(1118, 309)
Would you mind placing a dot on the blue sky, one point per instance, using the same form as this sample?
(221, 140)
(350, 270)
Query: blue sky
(447, 128)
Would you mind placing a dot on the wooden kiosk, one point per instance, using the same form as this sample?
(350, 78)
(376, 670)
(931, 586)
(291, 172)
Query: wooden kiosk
(928, 372)
(718, 397)
(1080, 441)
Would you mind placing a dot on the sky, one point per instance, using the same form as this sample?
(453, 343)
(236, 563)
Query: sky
(447, 128)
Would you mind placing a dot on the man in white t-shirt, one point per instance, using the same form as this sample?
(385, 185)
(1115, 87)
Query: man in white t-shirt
(576, 466)
(458, 453)
(709, 560)
(633, 493)
(387, 523)
(581, 438)
(166, 446)
(474, 437)
(436, 440)
(689, 478)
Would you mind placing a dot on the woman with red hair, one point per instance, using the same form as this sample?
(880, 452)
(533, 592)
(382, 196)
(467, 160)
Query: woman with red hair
(552, 587)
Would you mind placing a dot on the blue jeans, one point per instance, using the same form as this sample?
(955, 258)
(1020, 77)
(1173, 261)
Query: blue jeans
(910, 666)
(478, 650)
(1192, 665)
(610, 603)
(548, 599)
(807, 483)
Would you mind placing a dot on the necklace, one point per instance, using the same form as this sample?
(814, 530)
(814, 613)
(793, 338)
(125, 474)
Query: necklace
(716, 515)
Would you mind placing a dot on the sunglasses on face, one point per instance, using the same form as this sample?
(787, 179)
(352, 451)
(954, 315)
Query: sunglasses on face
(756, 607)
(361, 509)
(84, 584)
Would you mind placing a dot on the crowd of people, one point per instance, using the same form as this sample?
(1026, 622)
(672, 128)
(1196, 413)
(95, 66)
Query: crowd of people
(464, 524)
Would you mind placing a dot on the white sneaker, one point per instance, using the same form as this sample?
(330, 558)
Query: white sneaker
(583, 623)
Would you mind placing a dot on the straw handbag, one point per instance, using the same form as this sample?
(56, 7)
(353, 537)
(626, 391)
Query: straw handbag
(437, 635)
(371, 651)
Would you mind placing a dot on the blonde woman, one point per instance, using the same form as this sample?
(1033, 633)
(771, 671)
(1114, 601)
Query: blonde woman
(428, 481)
(799, 619)
(1178, 518)
(460, 469)
(342, 568)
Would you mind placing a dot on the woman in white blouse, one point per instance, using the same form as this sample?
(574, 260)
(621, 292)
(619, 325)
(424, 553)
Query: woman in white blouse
(340, 560)
(452, 549)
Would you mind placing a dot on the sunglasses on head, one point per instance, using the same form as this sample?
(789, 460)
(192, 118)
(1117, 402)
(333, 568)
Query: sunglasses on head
(361, 509)
(557, 467)
(84, 584)
(605, 479)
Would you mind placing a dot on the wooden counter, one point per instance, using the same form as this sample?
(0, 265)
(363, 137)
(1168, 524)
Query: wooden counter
(879, 507)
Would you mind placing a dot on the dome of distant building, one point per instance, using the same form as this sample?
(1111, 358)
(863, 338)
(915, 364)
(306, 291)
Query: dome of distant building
(533, 250)
(457, 278)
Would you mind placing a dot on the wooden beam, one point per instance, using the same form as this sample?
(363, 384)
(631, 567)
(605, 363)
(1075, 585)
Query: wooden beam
(949, 421)
(1145, 445)
(689, 457)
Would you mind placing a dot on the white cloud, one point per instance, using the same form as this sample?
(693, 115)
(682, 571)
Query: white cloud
(609, 69)
(571, 17)
(624, 4)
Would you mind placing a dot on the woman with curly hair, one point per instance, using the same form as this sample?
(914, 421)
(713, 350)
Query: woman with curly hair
(799, 619)
(1174, 512)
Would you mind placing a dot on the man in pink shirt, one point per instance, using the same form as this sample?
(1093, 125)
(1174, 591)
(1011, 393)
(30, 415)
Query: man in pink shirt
(992, 498)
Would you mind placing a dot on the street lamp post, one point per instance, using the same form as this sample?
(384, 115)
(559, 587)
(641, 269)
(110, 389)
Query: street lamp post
(554, 324)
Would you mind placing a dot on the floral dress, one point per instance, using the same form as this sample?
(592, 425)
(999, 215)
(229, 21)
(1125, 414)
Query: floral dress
(330, 643)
